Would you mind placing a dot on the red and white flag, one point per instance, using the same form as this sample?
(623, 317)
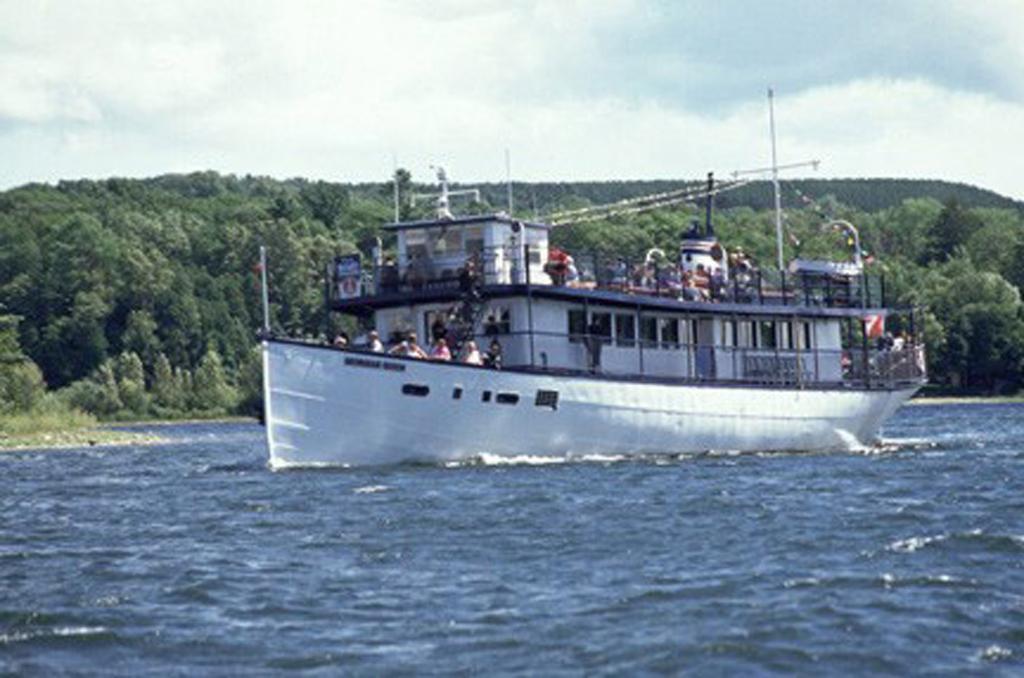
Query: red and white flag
(874, 325)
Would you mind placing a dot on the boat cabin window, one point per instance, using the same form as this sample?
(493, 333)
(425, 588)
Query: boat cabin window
(766, 334)
(745, 334)
(538, 242)
(649, 331)
(601, 325)
(416, 245)
(805, 335)
(547, 399)
(474, 240)
(625, 329)
(669, 328)
(498, 320)
(420, 390)
(577, 324)
(729, 334)
(507, 398)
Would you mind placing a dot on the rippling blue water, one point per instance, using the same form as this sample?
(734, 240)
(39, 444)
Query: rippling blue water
(192, 557)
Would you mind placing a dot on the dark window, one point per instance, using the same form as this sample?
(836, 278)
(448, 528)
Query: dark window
(498, 320)
(547, 399)
(807, 335)
(420, 390)
(649, 332)
(601, 325)
(507, 398)
(669, 332)
(577, 325)
(729, 333)
(485, 396)
(625, 329)
(457, 393)
(766, 334)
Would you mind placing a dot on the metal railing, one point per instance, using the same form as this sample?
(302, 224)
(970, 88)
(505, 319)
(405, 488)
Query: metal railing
(506, 264)
(861, 368)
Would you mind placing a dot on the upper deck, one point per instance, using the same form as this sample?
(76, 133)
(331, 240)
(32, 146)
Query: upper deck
(439, 259)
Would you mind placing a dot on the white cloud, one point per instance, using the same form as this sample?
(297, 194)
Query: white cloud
(331, 90)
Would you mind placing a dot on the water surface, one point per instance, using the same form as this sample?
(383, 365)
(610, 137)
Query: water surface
(192, 557)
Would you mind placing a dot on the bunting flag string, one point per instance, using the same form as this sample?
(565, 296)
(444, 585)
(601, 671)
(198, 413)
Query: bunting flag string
(640, 204)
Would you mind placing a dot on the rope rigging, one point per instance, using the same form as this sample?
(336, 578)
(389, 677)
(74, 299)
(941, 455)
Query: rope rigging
(641, 203)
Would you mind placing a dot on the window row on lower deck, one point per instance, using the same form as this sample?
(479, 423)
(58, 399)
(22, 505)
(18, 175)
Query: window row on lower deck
(673, 332)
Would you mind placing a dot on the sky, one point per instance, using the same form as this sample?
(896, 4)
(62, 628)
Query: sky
(597, 89)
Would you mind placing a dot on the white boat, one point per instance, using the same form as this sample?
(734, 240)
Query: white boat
(692, 354)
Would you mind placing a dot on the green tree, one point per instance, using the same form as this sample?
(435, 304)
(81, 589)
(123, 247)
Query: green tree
(166, 389)
(140, 338)
(211, 390)
(953, 227)
(131, 383)
(21, 381)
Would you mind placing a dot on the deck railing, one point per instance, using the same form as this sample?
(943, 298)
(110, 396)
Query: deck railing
(506, 265)
(858, 368)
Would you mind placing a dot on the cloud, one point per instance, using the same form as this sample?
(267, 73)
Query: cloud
(575, 89)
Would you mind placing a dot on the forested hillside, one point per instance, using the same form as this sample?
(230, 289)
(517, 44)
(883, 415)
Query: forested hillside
(138, 297)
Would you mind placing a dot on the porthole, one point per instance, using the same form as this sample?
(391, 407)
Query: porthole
(421, 390)
(485, 397)
(547, 399)
(507, 398)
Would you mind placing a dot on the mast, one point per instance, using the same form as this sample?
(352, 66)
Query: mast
(394, 174)
(264, 294)
(775, 178)
(773, 170)
(508, 179)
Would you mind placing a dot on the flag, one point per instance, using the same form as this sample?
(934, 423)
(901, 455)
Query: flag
(874, 325)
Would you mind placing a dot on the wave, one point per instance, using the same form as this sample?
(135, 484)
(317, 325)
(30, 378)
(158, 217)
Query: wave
(976, 536)
(56, 632)
(371, 489)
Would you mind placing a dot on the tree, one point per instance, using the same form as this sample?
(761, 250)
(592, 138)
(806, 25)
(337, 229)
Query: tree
(977, 317)
(166, 389)
(951, 230)
(131, 383)
(140, 338)
(211, 390)
(21, 381)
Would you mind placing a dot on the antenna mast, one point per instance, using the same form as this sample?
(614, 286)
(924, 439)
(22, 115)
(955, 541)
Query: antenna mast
(443, 198)
(394, 175)
(775, 178)
(774, 170)
(508, 179)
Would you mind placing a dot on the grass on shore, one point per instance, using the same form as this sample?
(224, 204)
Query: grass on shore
(50, 426)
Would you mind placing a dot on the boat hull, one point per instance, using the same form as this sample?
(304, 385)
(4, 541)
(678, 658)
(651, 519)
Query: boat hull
(331, 407)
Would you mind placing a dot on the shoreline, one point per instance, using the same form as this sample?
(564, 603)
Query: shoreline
(81, 438)
(106, 434)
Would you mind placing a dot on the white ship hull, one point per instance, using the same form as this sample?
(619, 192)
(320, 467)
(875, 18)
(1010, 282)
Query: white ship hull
(326, 406)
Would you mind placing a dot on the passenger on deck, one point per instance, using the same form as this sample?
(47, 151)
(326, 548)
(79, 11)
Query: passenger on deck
(557, 266)
(408, 347)
(471, 354)
(440, 351)
(493, 357)
(389, 279)
(374, 343)
(340, 340)
(690, 290)
(572, 275)
(437, 329)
